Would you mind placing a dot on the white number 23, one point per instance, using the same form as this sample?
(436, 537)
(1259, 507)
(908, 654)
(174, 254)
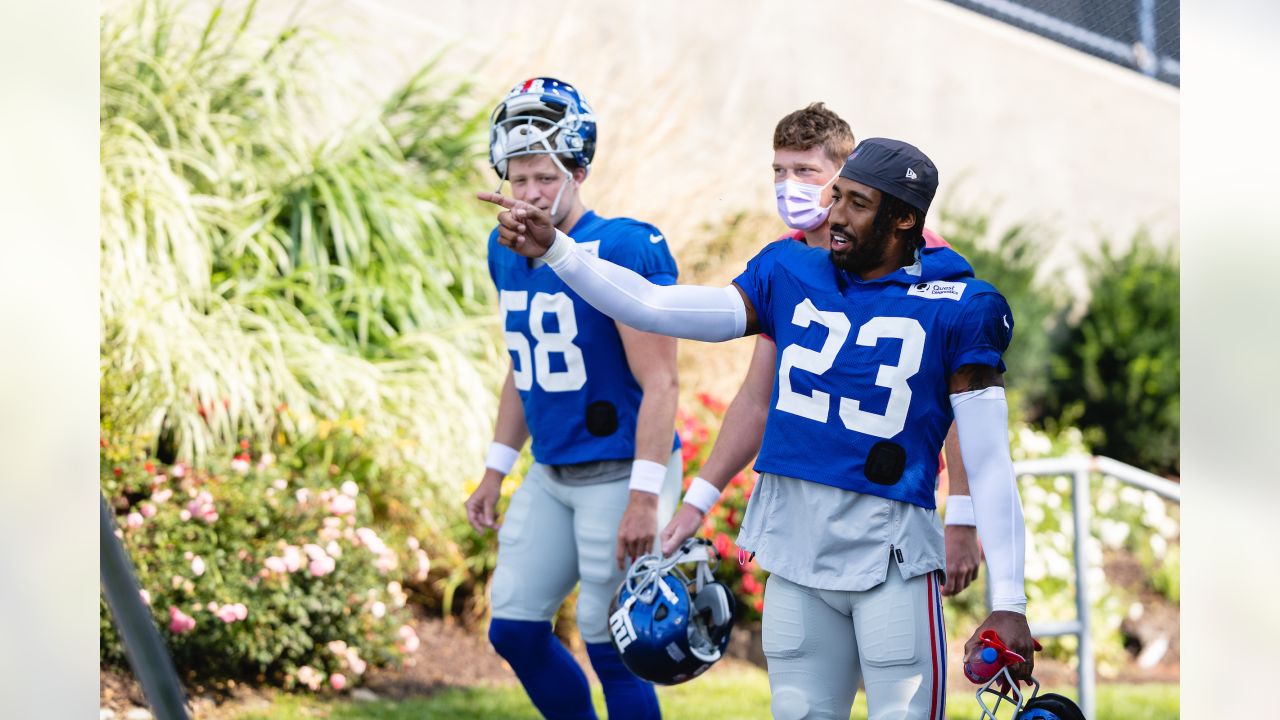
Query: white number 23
(816, 405)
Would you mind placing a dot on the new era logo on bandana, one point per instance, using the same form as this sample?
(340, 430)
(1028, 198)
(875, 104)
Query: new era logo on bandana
(911, 174)
(938, 289)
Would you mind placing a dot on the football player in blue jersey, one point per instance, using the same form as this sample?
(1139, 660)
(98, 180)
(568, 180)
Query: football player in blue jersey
(809, 147)
(881, 344)
(598, 400)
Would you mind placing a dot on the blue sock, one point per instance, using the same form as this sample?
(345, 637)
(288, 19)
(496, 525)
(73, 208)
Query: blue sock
(626, 696)
(552, 678)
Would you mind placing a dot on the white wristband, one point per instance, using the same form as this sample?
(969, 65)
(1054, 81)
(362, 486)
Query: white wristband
(648, 476)
(701, 494)
(960, 510)
(501, 457)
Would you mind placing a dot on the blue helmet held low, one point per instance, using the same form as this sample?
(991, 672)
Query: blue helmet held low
(1051, 706)
(669, 627)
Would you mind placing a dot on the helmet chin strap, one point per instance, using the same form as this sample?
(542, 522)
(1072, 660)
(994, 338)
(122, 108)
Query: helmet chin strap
(568, 178)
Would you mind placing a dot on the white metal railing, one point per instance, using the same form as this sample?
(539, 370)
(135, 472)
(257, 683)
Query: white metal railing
(1080, 467)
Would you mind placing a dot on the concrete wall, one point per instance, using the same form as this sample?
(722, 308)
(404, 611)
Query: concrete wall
(688, 93)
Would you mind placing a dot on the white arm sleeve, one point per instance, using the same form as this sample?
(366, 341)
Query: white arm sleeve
(694, 312)
(982, 421)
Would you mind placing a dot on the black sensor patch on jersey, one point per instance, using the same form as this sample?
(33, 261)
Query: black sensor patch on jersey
(602, 418)
(885, 463)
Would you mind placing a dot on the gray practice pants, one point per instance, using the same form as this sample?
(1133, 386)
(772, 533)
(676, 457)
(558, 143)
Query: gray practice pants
(820, 643)
(555, 535)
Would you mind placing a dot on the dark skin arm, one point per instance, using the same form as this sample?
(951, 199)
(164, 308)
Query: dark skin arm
(1010, 626)
(961, 541)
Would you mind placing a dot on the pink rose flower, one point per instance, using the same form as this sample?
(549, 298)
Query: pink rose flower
(338, 681)
(386, 562)
(148, 510)
(370, 539)
(185, 515)
(409, 641)
(162, 496)
(276, 565)
(292, 558)
(355, 662)
(322, 566)
(227, 614)
(310, 677)
(424, 566)
(242, 611)
(178, 470)
(378, 609)
(133, 521)
(342, 505)
(180, 622)
(197, 566)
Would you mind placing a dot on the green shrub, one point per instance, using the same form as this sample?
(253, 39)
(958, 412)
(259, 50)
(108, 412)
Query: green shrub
(1011, 261)
(253, 261)
(1117, 376)
(261, 568)
(248, 263)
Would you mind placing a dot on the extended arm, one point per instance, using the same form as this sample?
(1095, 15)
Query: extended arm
(687, 311)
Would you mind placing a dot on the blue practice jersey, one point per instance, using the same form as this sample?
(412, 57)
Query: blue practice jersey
(861, 398)
(580, 398)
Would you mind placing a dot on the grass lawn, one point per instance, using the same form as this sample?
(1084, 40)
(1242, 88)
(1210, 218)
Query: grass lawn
(742, 693)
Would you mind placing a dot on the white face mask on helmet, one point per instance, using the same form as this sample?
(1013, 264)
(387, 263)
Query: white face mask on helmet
(799, 203)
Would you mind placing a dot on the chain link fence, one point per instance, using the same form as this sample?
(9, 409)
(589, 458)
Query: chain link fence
(1142, 35)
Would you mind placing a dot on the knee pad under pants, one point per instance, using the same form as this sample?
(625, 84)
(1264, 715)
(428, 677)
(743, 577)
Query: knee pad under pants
(820, 643)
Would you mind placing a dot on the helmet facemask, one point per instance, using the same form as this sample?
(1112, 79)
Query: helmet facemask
(530, 124)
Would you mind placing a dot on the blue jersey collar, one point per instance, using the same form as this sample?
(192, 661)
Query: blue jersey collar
(934, 263)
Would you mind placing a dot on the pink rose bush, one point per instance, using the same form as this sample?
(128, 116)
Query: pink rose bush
(260, 570)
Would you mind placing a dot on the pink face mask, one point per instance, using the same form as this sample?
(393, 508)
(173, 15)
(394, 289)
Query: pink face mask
(798, 204)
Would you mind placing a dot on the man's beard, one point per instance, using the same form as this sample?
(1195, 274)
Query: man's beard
(855, 254)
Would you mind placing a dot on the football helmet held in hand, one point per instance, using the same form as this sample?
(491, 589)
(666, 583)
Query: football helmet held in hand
(669, 627)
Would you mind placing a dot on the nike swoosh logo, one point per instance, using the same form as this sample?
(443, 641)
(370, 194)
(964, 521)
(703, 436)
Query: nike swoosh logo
(1006, 322)
(655, 239)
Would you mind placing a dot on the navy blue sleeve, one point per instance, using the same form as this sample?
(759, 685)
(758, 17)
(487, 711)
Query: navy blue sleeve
(757, 281)
(641, 247)
(980, 333)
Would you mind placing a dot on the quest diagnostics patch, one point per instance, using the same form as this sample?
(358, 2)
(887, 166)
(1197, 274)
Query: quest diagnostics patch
(938, 289)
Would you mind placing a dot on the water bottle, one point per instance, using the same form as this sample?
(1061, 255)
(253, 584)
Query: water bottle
(994, 657)
(985, 667)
